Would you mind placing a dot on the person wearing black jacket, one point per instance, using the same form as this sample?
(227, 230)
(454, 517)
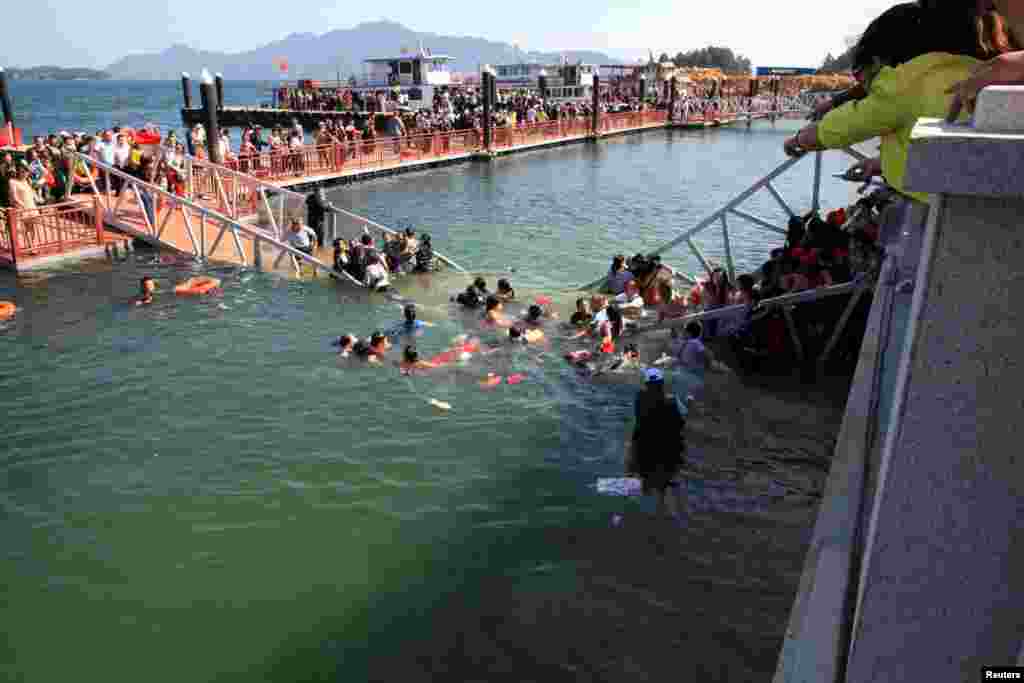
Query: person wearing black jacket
(317, 207)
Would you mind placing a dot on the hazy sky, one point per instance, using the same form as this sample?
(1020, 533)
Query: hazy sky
(95, 33)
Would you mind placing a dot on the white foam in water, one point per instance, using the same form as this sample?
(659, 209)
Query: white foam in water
(620, 486)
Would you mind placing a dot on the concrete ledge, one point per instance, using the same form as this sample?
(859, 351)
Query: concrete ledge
(957, 159)
(814, 646)
(40, 262)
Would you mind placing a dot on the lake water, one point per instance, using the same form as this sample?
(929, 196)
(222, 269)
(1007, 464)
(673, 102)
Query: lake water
(198, 491)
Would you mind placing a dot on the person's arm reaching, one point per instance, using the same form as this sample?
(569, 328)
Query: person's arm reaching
(1006, 69)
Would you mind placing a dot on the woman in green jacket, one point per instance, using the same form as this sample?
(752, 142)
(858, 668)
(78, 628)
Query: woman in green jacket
(907, 59)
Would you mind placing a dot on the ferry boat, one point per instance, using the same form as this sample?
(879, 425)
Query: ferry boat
(564, 82)
(414, 78)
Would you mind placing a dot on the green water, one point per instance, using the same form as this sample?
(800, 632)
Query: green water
(198, 491)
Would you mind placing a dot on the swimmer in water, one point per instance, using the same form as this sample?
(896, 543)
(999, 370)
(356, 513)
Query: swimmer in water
(372, 350)
(517, 334)
(480, 285)
(536, 315)
(411, 361)
(147, 286)
(582, 317)
(493, 314)
(345, 343)
(410, 325)
(469, 298)
(505, 291)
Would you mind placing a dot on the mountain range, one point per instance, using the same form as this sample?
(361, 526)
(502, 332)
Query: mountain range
(325, 56)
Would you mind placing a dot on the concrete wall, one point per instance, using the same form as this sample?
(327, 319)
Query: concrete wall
(943, 575)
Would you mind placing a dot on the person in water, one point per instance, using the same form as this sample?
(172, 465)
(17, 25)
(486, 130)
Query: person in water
(505, 291)
(372, 350)
(346, 344)
(658, 443)
(536, 314)
(493, 313)
(480, 285)
(411, 361)
(582, 317)
(610, 329)
(147, 286)
(410, 325)
(469, 298)
(517, 334)
(424, 256)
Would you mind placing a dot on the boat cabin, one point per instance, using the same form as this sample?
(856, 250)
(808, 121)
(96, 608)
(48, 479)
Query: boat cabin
(414, 76)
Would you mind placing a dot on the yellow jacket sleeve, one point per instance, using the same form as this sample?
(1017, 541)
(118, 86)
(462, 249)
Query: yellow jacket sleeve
(889, 106)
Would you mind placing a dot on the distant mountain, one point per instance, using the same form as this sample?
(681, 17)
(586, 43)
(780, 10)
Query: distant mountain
(323, 56)
(55, 73)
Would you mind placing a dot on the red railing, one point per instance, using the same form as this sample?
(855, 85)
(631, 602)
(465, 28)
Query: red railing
(388, 152)
(49, 230)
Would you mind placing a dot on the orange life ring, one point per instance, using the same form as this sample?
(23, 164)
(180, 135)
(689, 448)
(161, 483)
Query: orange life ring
(195, 286)
(7, 310)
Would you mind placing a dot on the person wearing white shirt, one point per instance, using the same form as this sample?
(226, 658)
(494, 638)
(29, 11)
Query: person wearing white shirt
(377, 274)
(122, 151)
(301, 237)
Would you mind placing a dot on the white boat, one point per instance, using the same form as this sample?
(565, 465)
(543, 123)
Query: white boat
(564, 82)
(413, 77)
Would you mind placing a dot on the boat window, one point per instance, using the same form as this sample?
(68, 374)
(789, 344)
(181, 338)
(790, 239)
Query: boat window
(405, 67)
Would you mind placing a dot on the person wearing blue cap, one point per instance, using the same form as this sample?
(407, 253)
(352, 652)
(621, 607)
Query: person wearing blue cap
(658, 443)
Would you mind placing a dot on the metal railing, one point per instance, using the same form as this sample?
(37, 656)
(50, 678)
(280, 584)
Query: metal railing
(48, 230)
(279, 203)
(186, 226)
(732, 208)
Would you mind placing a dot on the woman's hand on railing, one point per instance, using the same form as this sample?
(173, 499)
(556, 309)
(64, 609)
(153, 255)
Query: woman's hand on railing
(1006, 69)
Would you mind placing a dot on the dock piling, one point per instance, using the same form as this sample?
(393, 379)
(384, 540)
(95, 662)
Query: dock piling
(485, 83)
(5, 101)
(186, 89)
(595, 106)
(209, 97)
(219, 82)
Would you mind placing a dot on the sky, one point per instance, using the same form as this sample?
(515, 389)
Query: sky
(94, 34)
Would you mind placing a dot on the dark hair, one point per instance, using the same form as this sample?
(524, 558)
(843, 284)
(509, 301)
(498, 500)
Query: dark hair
(909, 30)
(366, 240)
(410, 312)
(618, 263)
(534, 312)
(615, 318)
(492, 302)
(480, 284)
(504, 285)
(514, 332)
(410, 354)
(694, 329)
(745, 282)
(409, 232)
(632, 348)
(424, 239)
(376, 338)
(768, 270)
(344, 340)
(582, 301)
(144, 280)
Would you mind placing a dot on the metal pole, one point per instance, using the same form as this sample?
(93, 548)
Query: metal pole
(595, 114)
(486, 84)
(728, 250)
(186, 89)
(5, 101)
(219, 82)
(671, 98)
(209, 93)
(815, 203)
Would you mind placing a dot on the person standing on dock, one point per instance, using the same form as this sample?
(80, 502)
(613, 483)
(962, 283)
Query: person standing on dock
(317, 207)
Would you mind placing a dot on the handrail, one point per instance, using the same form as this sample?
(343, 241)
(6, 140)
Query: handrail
(389, 231)
(200, 249)
(732, 207)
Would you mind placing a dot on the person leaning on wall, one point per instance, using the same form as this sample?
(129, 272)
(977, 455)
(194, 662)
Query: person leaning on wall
(906, 59)
(1007, 67)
